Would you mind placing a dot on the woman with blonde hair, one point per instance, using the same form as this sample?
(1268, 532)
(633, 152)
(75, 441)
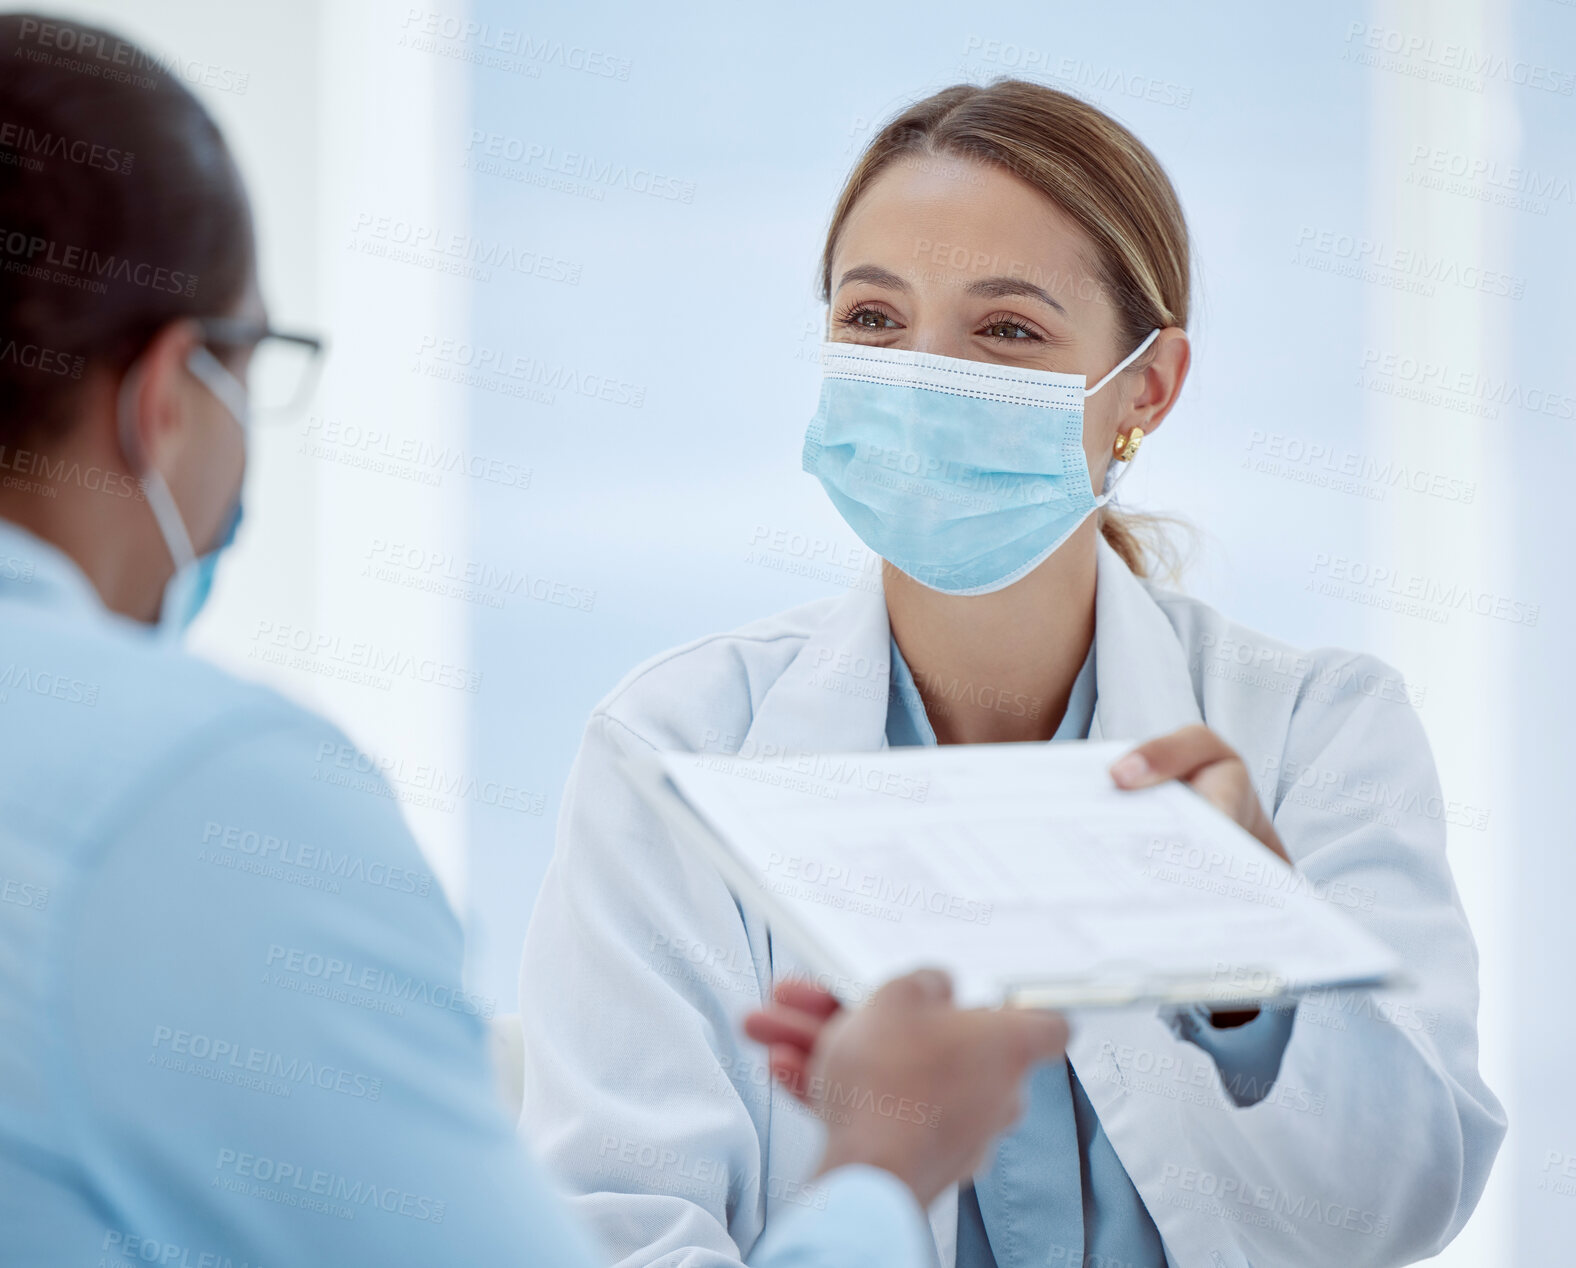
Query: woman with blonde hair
(1007, 274)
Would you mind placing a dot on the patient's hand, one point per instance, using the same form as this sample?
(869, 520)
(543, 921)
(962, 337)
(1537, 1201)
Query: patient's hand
(907, 1083)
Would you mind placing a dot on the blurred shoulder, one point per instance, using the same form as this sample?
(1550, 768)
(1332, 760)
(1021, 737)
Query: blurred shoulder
(97, 715)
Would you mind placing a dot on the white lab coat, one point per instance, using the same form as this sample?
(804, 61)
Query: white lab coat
(639, 965)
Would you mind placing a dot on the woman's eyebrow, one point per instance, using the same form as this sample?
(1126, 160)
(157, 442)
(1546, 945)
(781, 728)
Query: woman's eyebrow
(989, 287)
(999, 287)
(874, 274)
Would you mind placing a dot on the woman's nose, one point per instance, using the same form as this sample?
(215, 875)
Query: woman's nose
(937, 341)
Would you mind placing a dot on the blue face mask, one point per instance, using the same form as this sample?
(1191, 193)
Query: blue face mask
(963, 474)
(187, 590)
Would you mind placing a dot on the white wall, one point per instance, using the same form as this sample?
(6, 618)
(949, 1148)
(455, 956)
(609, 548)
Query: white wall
(341, 131)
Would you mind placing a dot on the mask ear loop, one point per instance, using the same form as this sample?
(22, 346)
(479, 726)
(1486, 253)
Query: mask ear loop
(1124, 362)
(1114, 471)
(216, 377)
(160, 500)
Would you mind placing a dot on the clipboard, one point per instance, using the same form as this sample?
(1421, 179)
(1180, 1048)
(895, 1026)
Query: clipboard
(738, 813)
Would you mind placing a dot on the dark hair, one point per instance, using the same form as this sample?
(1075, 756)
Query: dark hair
(120, 210)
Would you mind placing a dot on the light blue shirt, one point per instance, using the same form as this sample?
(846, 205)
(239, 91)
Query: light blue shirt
(1057, 1167)
(233, 1029)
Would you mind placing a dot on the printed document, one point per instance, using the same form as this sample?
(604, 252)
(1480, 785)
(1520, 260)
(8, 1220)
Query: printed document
(1021, 869)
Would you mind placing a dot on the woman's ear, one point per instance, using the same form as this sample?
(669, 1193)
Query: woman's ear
(1162, 381)
(154, 402)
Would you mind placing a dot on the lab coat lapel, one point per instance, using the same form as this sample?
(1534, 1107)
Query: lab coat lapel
(832, 698)
(1144, 689)
(1142, 684)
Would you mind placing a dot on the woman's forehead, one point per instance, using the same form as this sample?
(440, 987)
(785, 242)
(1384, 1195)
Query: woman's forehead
(947, 218)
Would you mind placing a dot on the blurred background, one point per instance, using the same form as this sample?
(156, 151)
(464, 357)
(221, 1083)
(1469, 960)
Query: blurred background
(564, 255)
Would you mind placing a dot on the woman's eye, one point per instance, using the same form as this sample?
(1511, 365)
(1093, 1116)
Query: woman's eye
(1008, 330)
(870, 319)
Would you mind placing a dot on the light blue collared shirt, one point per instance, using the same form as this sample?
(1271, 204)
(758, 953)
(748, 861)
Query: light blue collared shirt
(232, 1023)
(1057, 1165)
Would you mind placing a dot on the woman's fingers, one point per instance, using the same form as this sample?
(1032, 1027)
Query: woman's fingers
(790, 1027)
(1180, 755)
(806, 997)
(779, 1025)
(798, 1011)
(1200, 758)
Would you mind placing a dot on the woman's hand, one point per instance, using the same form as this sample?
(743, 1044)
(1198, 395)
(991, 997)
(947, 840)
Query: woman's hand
(1208, 765)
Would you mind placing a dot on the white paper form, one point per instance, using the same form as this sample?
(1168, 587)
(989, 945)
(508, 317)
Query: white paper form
(1019, 868)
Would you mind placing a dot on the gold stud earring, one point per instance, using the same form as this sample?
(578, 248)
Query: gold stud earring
(1127, 446)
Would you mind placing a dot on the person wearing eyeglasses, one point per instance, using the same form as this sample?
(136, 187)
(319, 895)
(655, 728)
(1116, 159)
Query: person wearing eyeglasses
(233, 1028)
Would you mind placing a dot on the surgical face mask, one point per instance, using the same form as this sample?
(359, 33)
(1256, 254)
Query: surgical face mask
(963, 474)
(187, 590)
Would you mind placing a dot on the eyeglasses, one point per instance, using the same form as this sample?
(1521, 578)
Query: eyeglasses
(283, 368)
